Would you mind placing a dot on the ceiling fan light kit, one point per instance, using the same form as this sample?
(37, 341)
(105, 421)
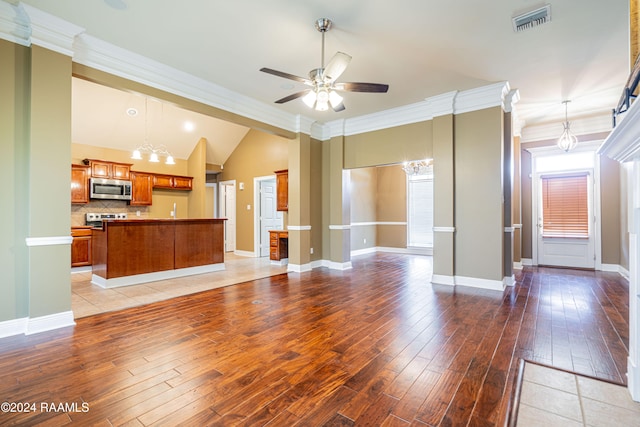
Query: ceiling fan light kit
(323, 92)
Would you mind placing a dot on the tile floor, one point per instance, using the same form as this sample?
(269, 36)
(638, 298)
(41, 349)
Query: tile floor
(550, 397)
(88, 299)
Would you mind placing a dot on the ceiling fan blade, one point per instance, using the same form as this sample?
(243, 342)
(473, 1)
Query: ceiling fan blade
(362, 87)
(286, 75)
(336, 66)
(292, 96)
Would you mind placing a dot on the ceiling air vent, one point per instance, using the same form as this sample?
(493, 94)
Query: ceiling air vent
(532, 19)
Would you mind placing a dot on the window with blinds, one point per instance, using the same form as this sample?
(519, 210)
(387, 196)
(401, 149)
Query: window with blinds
(565, 208)
(420, 211)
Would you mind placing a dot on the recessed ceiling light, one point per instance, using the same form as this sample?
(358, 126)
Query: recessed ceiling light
(189, 126)
(132, 112)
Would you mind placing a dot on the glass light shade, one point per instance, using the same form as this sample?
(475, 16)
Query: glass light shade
(323, 95)
(567, 140)
(322, 105)
(153, 158)
(136, 155)
(309, 99)
(334, 98)
(170, 161)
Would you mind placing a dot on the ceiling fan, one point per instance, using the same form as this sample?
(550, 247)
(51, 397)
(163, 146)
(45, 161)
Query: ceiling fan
(324, 88)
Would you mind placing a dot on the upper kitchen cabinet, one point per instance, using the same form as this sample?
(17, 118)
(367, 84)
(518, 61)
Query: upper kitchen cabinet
(282, 189)
(79, 184)
(141, 189)
(114, 170)
(172, 182)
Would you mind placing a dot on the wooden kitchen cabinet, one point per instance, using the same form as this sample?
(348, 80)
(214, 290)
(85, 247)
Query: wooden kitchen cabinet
(113, 170)
(172, 182)
(79, 184)
(81, 246)
(282, 190)
(278, 245)
(141, 189)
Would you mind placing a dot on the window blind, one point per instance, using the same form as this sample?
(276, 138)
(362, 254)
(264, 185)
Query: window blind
(420, 212)
(565, 209)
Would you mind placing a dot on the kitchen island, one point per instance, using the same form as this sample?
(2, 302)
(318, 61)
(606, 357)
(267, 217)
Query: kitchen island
(129, 252)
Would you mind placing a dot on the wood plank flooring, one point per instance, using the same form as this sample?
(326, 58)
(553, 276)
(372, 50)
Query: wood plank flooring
(376, 345)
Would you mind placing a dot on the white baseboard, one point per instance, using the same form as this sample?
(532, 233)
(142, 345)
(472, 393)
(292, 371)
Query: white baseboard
(527, 262)
(615, 268)
(247, 254)
(29, 326)
(299, 268)
(340, 265)
(633, 380)
(440, 279)
(12, 327)
(50, 322)
(137, 279)
(283, 261)
(509, 280)
(84, 269)
(517, 265)
(409, 250)
(475, 282)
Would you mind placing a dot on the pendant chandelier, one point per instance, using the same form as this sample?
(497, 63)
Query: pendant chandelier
(418, 167)
(567, 140)
(147, 148)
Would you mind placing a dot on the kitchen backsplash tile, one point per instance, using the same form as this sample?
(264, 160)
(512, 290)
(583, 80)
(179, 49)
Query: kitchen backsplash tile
(78, 212)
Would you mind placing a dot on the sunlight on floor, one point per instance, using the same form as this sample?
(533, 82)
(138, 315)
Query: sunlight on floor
(88, 299)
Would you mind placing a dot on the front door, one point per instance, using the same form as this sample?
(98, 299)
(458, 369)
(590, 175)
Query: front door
(565, 219)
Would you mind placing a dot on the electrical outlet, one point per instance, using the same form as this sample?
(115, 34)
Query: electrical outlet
(137, 213)
(365, 240)
(248, 207)
(311, 250)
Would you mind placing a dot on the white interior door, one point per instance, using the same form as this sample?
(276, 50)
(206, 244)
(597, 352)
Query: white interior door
(270, 218)
(567, 245)
(228, 211)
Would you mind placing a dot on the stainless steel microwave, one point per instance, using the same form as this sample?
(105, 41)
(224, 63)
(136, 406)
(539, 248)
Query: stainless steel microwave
(116, 189)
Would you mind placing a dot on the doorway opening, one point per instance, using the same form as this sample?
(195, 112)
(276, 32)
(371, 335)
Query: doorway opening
(565, 208)
(266, 215)
(228, 210)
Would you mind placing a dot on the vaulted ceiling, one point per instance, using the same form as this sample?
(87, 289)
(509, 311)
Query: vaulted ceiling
(421, 48)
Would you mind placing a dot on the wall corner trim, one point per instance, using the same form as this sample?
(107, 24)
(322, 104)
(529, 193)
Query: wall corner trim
(299, 227)
(340, 227)
(49, 241)
(444, 229)
(14, 24)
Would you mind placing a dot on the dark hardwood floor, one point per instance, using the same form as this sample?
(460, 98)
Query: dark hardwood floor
(376, 345)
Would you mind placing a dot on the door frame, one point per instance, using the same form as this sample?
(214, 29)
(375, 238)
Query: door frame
(536, 153)
(256, 211)
(231, 182)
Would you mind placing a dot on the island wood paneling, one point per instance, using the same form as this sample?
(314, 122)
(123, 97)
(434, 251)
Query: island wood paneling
(130, 247)
(198, 242)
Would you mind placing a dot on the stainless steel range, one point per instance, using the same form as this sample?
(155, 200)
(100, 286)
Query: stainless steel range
(95, 219)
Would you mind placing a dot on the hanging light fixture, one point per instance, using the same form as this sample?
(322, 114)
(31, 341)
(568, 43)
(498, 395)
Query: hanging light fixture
(418, 167)
(567, 140)
(154, 151)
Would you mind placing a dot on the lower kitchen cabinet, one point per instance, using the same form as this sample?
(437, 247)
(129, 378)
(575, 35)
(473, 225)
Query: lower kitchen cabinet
(81, 246)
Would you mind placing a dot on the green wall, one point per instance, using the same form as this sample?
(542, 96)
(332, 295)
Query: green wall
(14, 152)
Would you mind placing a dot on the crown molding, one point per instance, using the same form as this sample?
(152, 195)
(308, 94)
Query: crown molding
(623, 143)
(96, 53)
(51, 32)
(441, 105)
(583, 126)
(14, 24)
(492, 95)
(384, 119)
